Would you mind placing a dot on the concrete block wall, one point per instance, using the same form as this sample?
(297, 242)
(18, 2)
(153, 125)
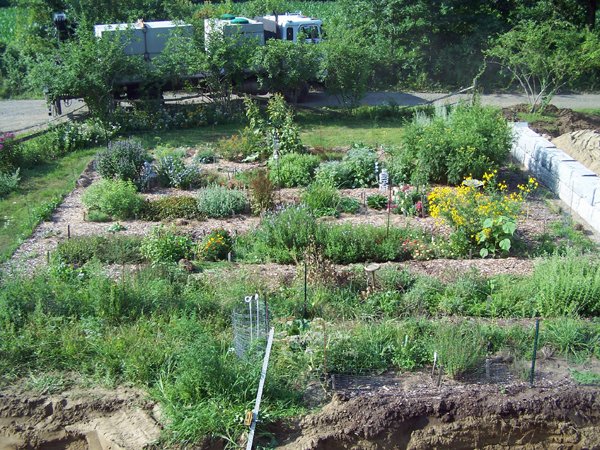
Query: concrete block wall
(574, 184)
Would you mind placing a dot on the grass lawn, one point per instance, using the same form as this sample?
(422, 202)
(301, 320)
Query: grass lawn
(315, 130)
(20, 212)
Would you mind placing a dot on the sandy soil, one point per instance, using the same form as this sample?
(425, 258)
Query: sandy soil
(583, 145)
(77, 419)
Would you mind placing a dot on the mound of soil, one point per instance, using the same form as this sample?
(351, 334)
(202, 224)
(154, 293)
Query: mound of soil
(582, 145)
(88, 419)
(566, 121)
(557, 415)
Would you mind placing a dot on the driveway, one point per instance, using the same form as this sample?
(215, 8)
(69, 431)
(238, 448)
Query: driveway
(27, 115)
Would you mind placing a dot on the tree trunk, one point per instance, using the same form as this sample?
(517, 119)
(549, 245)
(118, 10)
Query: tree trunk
(590, 18)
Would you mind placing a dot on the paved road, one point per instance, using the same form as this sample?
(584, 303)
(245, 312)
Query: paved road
(17, 115)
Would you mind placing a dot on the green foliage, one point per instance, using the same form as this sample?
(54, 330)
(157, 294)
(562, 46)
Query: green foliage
(106, 249)
(322, 199)
(241, 146)
(216, 245)
(544, 57)
(293, 169)
(218, 202)
(88, 68)
(173, 172)
(9, 182)
(286, 67)
(283, 237)
(122, 159)
(261, 193)
(356, 169)
(347, 67)
(164, 246)
(55, 143)
(461, 348)
(572, 338)
(116, 198)
(349, 205)
(377, 201)
(468, 141)
(171, 207)
(276, 129)
(481, 213)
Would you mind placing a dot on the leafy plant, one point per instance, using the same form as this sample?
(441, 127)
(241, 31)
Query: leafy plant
(349, 205)
(293, 169)
(171, 207)
(377, 201)
(322, 199)
(461, 347)
(216, 245)
(173, 172)
(466, 141)
(109, 250)
(218, 202)
(116, 198)
(122, 159)
(164, 246)
(358, 168)
(481, 213)
(9, 182)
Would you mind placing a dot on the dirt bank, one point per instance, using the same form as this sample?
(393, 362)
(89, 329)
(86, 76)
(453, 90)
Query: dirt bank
(556, 415)
(78, 419)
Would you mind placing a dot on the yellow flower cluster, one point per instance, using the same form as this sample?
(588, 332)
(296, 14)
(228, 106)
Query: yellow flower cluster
(214, 242)
(465, 207)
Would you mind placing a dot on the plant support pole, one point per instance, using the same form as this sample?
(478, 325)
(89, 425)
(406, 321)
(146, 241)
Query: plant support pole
(535, 344)
(261, 385)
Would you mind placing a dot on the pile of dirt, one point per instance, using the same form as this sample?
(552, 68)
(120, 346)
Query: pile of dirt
(582, 145)
(566, 120)
(78, 419)
(555, 415)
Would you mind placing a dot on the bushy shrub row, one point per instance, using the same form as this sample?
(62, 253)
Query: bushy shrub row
(467, 141)
(358, 168)
(106, 249)
(284, 236)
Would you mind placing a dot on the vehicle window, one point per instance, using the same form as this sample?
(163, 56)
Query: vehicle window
(310, 32)
(290, 34)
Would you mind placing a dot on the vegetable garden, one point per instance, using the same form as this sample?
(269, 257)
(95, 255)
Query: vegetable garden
(134, 277)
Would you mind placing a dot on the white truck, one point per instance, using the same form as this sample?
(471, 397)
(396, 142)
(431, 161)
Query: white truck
(149, 39)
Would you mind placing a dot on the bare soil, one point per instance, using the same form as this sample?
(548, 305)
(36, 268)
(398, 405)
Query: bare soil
(566, 121)
(416, 414)
(77, 419)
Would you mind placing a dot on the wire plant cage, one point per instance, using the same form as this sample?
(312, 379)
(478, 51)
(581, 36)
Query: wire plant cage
(250, 325)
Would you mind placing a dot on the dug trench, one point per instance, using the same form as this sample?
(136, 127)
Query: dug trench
(554, 415)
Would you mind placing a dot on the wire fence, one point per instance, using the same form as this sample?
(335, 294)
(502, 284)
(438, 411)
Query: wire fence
(250, 324)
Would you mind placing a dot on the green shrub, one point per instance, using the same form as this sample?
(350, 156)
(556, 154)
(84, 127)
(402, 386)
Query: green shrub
(219, 202)
(164, 246)
(468, 141)
(361, 163)
(206, 155)
(9, 182)
(95, 215)
(182, 207)
(281, 236)
(116, 198)
(377, 201)
(358, 168)
(293, 169)
(461, 347)
(242, 146)
(322, 199)
(122, 159)
(284, 236)
(173, 172)
(349, 205)
(106, 249)
(261, 193)
(215, 246)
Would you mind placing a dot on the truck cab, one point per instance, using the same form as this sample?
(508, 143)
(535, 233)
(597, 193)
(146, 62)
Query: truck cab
(291, 26)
